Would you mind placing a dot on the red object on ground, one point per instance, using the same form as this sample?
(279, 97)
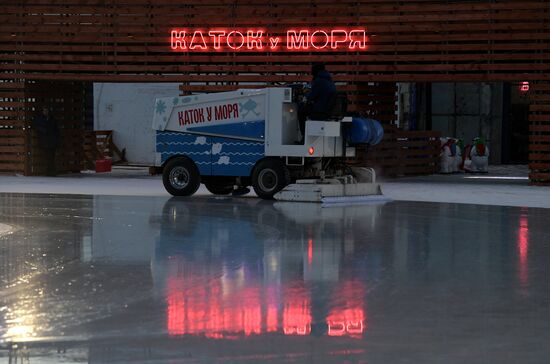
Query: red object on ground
(103, 165)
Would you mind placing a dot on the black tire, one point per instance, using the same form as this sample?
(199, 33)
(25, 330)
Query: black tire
(217, 188)
(269, 177)
(181, 177)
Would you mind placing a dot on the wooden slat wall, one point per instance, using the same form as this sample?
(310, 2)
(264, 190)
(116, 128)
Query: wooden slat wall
(539, 138)
(377, 100)
(66, 100)
(13, 136)
(403, 153)
(91, 153)
(409, 40)
(418, 152)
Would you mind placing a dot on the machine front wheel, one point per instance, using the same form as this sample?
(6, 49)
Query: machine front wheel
(181, 177)
(269, 177)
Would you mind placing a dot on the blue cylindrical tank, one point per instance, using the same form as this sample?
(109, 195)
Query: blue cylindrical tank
(365, 131)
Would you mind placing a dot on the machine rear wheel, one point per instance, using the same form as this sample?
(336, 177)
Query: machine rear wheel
(181, 177)
(269, 177)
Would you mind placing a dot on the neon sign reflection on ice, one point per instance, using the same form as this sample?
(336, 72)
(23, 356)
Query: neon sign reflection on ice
(197, 308)
(258, 40)
(348, 318)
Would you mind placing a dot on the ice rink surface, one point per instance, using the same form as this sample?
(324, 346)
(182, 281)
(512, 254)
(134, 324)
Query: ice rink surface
(503, 186)
(106, 279)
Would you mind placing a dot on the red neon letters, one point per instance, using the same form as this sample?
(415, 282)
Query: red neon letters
(185, 40)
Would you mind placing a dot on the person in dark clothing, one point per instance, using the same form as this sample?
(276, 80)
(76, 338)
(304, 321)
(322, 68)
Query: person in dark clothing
(319, 100)
(48, 138)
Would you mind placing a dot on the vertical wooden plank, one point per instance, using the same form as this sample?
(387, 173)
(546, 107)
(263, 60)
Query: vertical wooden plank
(12, 127)
(66, 100)
(539, 134)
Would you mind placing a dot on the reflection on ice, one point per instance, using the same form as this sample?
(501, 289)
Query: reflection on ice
(347, 317)
(297, 311)
(523, 248)
(225, 275)
(222, 279)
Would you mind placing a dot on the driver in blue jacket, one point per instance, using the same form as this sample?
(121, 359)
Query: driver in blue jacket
(319, 100)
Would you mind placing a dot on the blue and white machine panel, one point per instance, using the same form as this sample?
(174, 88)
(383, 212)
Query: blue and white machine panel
(213, 155)
(223, 133)
(196, 147)
(233, 157)
(249, 129)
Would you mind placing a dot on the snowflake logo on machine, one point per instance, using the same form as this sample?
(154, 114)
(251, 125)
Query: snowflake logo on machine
(160, 108)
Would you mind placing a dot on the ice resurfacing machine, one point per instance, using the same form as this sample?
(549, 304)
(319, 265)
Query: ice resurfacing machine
(249, 137)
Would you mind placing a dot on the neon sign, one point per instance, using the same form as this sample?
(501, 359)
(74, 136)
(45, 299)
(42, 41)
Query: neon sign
(258, 40)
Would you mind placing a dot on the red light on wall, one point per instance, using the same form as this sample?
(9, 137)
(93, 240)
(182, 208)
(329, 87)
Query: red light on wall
(236, 40)
(524, 86)
(338, 36)
(298, 39)
(254, 39)
(177, 39)
(311, 150)
(358, 39)
(198, 41)
(320, 39)
(216, 36)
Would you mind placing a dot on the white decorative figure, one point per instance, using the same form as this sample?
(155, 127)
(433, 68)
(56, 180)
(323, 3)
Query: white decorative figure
(200, 140)
(449, 155)
(217, 148)
(477, 157)
(224, 159)
(457, 159)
